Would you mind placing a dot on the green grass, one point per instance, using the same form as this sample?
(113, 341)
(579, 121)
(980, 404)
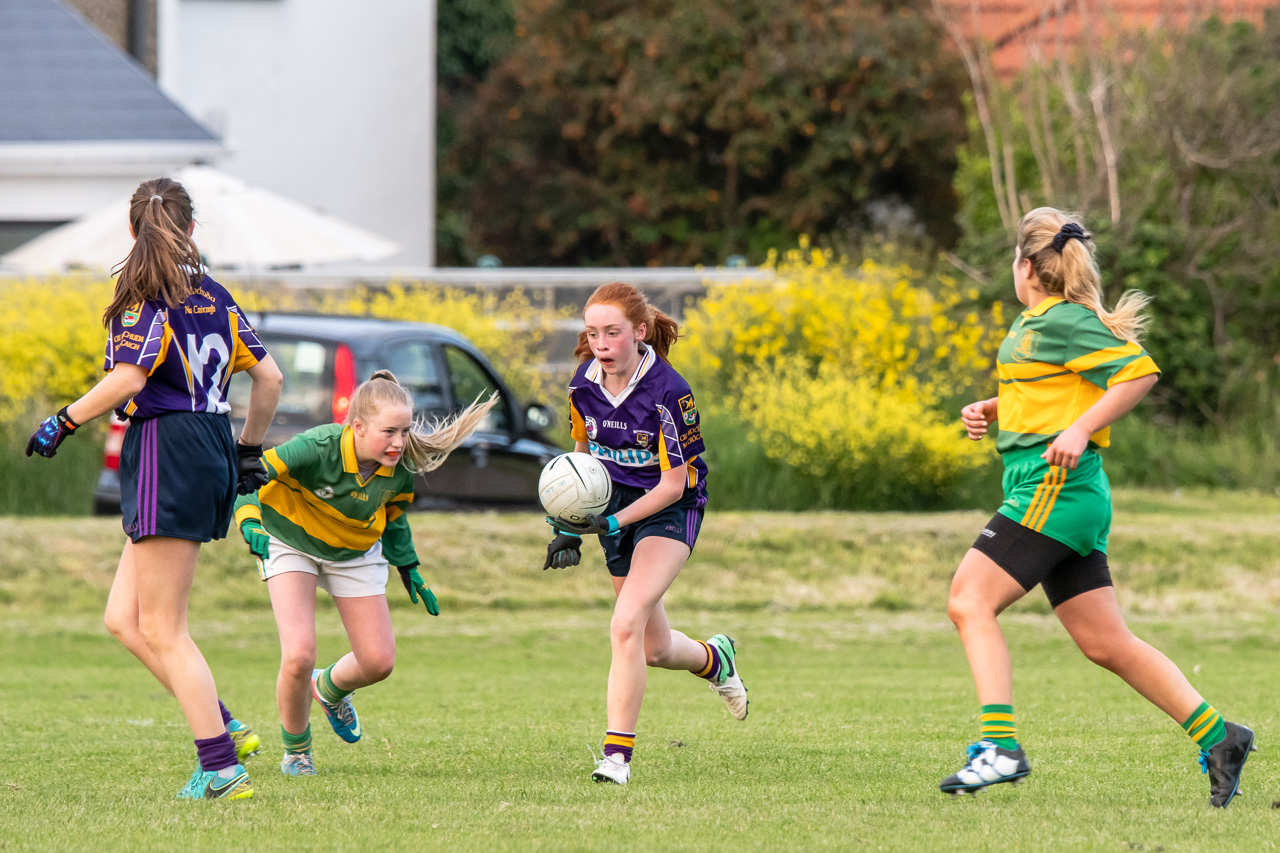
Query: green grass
(480, 742)
(62, 485)
(861, 699)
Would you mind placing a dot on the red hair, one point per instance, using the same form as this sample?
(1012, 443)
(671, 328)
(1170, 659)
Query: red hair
(660, 330)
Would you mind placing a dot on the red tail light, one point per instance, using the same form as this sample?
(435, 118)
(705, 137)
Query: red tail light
(115, 441)
(344, 383)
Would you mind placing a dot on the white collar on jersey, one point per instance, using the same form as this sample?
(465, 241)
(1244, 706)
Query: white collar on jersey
(595, 374)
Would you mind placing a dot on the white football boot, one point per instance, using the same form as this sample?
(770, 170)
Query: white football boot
(989, 764)
(729, 684)
(612, 768)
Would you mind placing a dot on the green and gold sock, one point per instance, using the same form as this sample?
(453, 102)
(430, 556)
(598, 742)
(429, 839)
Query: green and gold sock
(1205, 726)
(998, 727)
(296, 743)
(332, 693)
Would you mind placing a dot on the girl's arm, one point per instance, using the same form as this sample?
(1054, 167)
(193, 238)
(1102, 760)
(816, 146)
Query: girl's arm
(976, 417)
(263, 397)
(669, 490)
(115, 389)
(1118, 400)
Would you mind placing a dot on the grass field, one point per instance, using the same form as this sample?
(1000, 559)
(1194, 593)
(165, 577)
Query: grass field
(861, 700)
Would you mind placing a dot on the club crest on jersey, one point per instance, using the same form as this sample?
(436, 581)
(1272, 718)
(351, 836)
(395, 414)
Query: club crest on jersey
(1024, 348)
(591, 427)
(688, 409)
(324, 492)
(132, 315)
(643, 438)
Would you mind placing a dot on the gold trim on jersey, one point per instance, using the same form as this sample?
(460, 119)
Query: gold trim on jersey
(1102, 356)
(287, 497)
(351, 465)
(1042, 306)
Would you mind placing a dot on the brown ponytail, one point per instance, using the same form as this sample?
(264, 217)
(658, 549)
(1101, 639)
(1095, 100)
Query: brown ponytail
(660, 330)
(161, 263)
(423, 451)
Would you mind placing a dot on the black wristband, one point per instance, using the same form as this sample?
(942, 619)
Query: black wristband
(65, 420)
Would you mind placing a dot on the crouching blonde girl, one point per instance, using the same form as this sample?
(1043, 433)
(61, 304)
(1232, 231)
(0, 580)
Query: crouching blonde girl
(333, 516)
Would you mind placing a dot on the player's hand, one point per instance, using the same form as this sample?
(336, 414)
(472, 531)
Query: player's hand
(1067, 448)
(563, 551)
(256, 537)
(976, 417)
(601, 525)
(51, 432)
(253, 474)
(416, 587)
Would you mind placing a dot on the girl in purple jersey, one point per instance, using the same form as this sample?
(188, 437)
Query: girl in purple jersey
(633, 411)
(176, 338)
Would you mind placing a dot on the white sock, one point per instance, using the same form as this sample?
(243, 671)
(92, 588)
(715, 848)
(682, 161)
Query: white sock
(227, 772)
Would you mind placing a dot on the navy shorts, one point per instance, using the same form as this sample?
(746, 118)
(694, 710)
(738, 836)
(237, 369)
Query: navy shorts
(178, 474)
(681, 521)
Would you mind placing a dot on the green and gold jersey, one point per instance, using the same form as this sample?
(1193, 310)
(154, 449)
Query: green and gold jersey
(1055, 363)
(318, 503)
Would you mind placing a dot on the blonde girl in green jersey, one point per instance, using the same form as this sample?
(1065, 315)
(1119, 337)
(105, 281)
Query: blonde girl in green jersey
(1068, 369)
(333, 516)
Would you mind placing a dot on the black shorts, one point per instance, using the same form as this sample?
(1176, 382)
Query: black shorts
(1032, 558)
(681, 521)
(178, 476)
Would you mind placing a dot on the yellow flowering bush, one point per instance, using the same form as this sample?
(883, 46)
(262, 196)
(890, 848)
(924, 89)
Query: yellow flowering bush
(53, 342)
(851, 372)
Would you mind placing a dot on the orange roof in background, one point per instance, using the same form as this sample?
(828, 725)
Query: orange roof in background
(1021, 29)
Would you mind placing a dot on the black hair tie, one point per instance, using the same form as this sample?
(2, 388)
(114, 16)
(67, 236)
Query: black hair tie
(1070, 231)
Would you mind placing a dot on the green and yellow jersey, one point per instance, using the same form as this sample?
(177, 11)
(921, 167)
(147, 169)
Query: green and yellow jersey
(1056, 362)
(318, 503)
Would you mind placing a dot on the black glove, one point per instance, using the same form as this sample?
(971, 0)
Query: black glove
(253, 474)
(51, 432)
(563, 551)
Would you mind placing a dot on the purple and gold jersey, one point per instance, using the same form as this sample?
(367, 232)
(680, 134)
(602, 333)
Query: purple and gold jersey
(189, 351)
(651, 427)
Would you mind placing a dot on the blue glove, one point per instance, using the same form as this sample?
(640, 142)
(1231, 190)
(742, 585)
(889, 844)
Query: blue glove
(563, 551)
(601, 525)
(414, 584)
(50, 434)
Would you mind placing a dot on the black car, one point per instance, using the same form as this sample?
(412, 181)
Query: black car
(323, 360)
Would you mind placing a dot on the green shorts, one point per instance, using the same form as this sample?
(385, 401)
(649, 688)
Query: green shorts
(1071, 506)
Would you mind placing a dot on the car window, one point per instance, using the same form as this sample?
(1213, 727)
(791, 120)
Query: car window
(469, 380)
(414, 365)
(307, 395)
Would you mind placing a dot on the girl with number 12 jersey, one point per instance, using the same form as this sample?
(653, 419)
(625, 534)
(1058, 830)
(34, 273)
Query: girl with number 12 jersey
(176, 336)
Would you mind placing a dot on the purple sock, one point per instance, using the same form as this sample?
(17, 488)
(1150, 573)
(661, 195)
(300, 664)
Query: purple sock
(226, 715)
(216, 753)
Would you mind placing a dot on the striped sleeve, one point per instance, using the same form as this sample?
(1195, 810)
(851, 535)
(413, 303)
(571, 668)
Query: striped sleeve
(1103, 359)
(248, 349)
(577, 426)
(246, 508)
(397, 538)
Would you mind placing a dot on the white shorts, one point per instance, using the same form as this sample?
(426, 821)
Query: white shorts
(356, 578)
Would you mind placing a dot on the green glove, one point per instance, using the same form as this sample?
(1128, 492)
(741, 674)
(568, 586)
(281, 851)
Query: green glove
(256, 536)
(415, 586)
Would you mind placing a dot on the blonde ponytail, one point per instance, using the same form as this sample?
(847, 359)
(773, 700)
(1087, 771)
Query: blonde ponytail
(426, 449)
(1062, 254)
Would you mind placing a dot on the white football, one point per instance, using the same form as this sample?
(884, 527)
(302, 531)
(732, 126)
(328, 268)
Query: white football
(573, 486)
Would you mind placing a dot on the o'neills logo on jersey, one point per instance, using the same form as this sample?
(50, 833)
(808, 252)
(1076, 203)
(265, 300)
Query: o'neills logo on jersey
(615, 424)
(628, 458)
(591, 427)
(324, 493)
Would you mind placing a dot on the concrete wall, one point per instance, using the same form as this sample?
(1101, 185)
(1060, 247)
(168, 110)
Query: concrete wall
(329, 102)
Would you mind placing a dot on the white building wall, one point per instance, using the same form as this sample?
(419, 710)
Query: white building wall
(328, 102)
